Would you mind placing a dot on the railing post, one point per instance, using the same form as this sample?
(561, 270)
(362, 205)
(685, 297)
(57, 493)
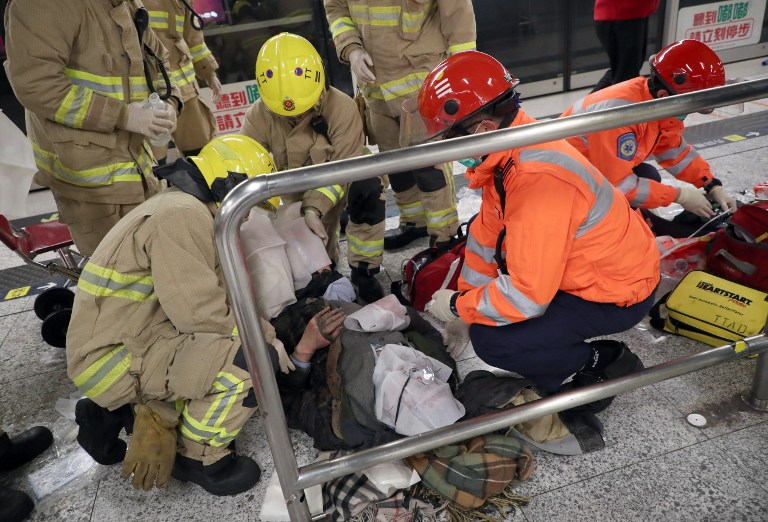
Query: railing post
(757, 397)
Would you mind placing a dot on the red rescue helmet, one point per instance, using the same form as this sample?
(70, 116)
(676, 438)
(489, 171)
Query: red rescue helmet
(687, 66)
(461, 86)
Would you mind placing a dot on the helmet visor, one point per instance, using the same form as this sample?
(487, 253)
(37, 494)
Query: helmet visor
(415, 129)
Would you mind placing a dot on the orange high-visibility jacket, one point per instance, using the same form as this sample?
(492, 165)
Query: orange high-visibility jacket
(567, 229)
(616, 152)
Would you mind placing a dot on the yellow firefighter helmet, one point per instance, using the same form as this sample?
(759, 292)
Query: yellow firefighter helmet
(290, 74)
(228, 160)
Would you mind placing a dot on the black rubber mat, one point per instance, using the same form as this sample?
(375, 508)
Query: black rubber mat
(25, 280)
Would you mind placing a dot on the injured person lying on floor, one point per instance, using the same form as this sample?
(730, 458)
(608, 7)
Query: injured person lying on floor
(388, 375)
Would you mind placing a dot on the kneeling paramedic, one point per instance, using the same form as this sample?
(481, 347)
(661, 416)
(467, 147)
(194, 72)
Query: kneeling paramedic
(681, 67)
(575, 261)
(303, 122)
(152, 334)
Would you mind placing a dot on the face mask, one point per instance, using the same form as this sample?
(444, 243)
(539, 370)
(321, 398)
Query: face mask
(682, 117)
(471, 163)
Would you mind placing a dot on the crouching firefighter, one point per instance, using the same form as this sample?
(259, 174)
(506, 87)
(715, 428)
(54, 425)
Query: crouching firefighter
(153, 342)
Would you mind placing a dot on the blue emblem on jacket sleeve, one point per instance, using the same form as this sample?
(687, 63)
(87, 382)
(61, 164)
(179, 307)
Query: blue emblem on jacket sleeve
(627, 146)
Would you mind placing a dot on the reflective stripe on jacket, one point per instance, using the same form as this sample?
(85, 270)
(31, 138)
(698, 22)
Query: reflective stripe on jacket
(567, 229)
(300, 146)
(615, 152)
(187, 53)
(74, 65)
(406, 40)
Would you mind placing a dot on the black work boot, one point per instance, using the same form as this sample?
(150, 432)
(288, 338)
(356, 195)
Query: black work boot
(18, 450)
(403, 235)
(366, 285)
(609, 360)
(99, 433)
(231, 475)
(15, 506)
(442, 245)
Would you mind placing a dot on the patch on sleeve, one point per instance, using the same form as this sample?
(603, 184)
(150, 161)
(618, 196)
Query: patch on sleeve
(627, 146)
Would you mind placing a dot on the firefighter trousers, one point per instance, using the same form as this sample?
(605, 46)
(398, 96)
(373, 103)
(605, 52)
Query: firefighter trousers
(199, 379)
(424, 197)
(365, 231)
(89, 222)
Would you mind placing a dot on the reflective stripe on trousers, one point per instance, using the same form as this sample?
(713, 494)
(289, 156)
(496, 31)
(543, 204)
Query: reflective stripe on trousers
(211, 427)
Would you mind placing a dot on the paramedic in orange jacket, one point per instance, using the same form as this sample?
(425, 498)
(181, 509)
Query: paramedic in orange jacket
(580, 262)
(681, 67)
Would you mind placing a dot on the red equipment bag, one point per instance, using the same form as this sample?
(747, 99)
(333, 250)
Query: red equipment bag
(739, 251)
(430, 270)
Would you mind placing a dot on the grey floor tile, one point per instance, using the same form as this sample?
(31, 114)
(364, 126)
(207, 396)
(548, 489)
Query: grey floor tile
(638, 425)
(23, 353)
(714, 392)
(748, 450)
(691, 484)
(9, 258)
(14, 306)
(6, 322)
(118, 501)
(74, 506)
(30, 400)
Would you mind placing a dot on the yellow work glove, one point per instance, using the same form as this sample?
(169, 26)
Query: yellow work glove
(440, 305)
(152, 450)
(693, 200)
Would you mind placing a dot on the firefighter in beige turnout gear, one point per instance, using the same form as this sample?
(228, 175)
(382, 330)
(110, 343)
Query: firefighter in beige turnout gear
(391, 46)
(151, 327)
(78, 69)
(303, 122)
(180, 32)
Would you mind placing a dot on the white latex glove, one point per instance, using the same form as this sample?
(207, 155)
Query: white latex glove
(440, 305)
(693, 200)
(286, 365)
(315, 224)
(361, 63)
(169, 114)
(456, 337)
(726, 202)
(215, 84)
(146, 121)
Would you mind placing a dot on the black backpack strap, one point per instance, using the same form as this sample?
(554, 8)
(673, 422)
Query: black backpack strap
(499, 175)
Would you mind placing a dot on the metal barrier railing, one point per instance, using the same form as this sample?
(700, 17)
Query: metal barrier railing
(238, 203)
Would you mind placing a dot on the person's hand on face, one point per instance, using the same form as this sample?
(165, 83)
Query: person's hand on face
(324, 328)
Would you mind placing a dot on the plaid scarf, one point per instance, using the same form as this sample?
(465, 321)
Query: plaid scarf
(467, 474)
